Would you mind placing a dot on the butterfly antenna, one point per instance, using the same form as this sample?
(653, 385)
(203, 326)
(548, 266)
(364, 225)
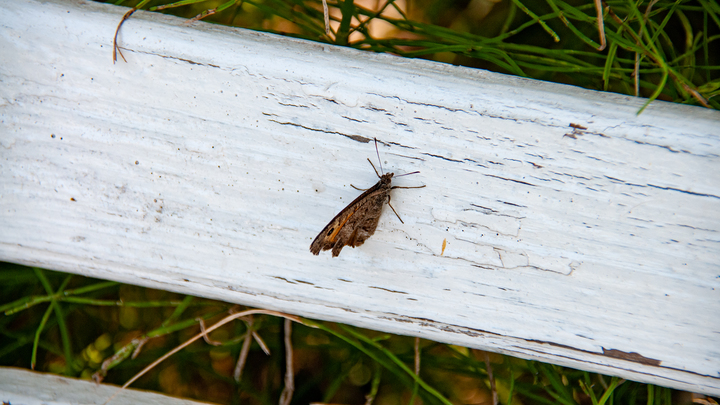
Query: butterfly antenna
(406, 174)
(378, 155)
(371, 164)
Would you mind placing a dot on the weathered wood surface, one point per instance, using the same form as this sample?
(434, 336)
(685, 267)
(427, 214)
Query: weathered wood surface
(24, 387)
(207, 164)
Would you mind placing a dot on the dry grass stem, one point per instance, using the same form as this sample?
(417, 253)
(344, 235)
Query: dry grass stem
(696, 94)
(201, 16)
(636, 74)
(287, 393)
(204, 332)
(116, 48)
(491, 378)
(140, 342)
(260, 342)
(326, 15)
(220, 323)
(237, 374)
(417, 356)
(601, 25)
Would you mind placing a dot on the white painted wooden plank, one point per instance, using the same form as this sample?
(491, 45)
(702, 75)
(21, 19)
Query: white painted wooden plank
(207, 164)
(24, 387)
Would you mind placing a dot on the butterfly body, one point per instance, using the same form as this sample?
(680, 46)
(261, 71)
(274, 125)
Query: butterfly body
(357, 222)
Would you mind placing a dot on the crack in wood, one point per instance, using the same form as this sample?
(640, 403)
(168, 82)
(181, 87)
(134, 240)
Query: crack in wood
(388, 290)
(513, 180)
(443, 158)
(357, 138)
(630, 356)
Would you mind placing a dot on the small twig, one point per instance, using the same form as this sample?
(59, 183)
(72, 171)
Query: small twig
(206, 337)
(255, 336)
(636, 70)
(202, 15)
(612, 14)
(696, 94)
(140, 343)
(220, 323)
(135, 345)
(237, 374)
(601, 24)
(417, 356)
(491, 378)
(287, 393)
(326, 15)
(260, 342)
(116, 48)
(416, 348)
(636, 74)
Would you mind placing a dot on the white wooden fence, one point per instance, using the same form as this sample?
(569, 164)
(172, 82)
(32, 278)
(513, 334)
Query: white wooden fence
(578, 233)
(24, 387)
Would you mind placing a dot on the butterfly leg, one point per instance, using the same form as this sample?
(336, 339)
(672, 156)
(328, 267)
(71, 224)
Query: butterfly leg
(394, 187)
(396, 214)
(359, 189)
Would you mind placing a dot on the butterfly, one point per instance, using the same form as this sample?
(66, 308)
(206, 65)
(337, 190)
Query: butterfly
(358, 221)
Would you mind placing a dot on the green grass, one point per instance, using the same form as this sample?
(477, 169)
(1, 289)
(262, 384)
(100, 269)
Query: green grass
(661, 49)
(83, 327)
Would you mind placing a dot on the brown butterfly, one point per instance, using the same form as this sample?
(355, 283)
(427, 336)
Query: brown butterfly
(358, 221)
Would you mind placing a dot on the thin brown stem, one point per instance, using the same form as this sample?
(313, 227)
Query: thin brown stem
(237, 374)
(326, 15)
(116, 48)
(287, 393)
(417, 356)
(220, 323)
(140, 343)
(206, 337)
(601, 24)
(260, 342)
(491, 378)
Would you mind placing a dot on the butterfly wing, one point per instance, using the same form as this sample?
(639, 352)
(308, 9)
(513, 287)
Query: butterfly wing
(357, 222)
(367, 216)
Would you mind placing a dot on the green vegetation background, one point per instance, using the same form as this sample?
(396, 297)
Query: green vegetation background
(87, 328)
